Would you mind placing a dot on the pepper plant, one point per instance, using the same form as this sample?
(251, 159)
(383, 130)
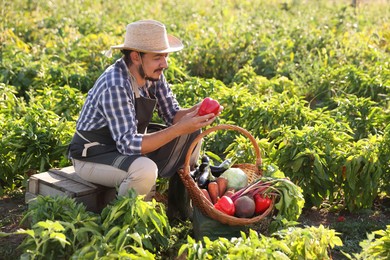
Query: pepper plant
(61, 227)
(304, 156)
(292, 243)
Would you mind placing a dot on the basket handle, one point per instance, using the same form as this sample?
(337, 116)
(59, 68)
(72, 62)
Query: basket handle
(222, 127)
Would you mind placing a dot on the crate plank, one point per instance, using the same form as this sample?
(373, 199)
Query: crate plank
(61, 183)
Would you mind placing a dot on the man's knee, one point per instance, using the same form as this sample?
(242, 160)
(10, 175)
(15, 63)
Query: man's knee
(143, 168)
(142, 176)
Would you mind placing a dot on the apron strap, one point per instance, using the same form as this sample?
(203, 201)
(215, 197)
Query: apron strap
(88, 145)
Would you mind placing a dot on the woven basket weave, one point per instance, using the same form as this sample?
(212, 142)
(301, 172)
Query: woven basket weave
(199, 200)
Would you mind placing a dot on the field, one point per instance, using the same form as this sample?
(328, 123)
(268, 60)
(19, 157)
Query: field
(353, 228)
(310, 80)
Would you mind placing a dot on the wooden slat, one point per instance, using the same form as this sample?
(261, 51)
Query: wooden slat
(62, 184)
(48, 190)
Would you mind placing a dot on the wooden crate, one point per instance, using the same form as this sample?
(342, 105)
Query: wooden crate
(64, 182)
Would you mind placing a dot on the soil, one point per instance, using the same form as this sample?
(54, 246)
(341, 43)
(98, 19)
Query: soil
(11, 214)
(352, 226)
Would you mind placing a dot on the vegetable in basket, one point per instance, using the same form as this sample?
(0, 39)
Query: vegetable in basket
(237, 178)
(217, 170)
(226, 205)
(262, 203)
(289, 197)
(245, 207)
(204, 176)
(205, 172)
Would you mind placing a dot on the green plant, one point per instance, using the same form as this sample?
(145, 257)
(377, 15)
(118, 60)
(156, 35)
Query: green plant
(384, 158)
(253, 246)
(45, 240)
(129, 227)
(56, 208)
(310, 242)
(376, 246)
(57, 99)
(363, 115)
(361, 174)
(147, 219)
(304, 156)
(35, 139)
(292, 243)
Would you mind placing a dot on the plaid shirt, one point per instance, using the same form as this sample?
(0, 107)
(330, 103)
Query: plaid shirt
(111, 103)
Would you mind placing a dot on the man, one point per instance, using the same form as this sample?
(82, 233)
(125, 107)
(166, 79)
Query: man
(112, 146)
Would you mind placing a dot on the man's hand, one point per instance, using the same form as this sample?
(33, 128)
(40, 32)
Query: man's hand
(186, 121)
(191, 122)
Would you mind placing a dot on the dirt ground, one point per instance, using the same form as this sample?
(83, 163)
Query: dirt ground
(352, 227)
(11, 213)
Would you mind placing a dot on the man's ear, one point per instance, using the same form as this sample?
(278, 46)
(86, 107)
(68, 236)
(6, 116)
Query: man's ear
(135, 57)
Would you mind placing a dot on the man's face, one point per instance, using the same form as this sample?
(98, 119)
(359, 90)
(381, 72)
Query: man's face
(153, 65)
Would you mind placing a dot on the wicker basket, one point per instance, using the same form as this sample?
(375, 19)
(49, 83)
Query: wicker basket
(199, 200)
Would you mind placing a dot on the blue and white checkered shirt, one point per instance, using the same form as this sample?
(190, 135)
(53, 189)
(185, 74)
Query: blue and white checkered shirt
(111, 103)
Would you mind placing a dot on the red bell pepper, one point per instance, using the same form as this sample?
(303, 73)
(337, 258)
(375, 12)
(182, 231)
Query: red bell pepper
(261, 203)
(208, 106)
(226, 205)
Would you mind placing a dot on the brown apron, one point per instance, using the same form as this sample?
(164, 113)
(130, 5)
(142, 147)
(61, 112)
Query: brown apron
(99, 147)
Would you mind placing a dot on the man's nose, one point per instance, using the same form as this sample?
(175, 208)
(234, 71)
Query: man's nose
(164, 62)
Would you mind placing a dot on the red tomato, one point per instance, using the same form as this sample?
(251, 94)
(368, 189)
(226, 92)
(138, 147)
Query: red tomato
(261, 203)
(226, 205)
(208, 106)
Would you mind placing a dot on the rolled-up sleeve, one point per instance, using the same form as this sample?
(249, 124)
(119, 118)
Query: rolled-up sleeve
(118, 107)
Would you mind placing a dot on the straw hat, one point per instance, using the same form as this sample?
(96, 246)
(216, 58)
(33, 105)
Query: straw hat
(149, 36)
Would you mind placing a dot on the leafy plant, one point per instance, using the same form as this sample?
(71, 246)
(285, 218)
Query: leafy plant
(304, 156)
(129, 227)
(376, 246)
(362, 114)
(310, 242)
(37, 136)
(45, 240)
(147, 219)
(57, 99)
(361, 174)
(253, 246)
(293, 243)
(384, 158)
(56, 208)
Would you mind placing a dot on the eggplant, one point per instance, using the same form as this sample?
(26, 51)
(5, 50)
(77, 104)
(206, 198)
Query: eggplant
(195, 173)
(205, 163)
(203, 179)
(216, 171)
(205, 159)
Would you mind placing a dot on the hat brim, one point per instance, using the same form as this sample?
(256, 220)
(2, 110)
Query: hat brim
(174, 45)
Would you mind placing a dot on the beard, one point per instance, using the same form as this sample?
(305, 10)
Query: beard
(141, 72)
